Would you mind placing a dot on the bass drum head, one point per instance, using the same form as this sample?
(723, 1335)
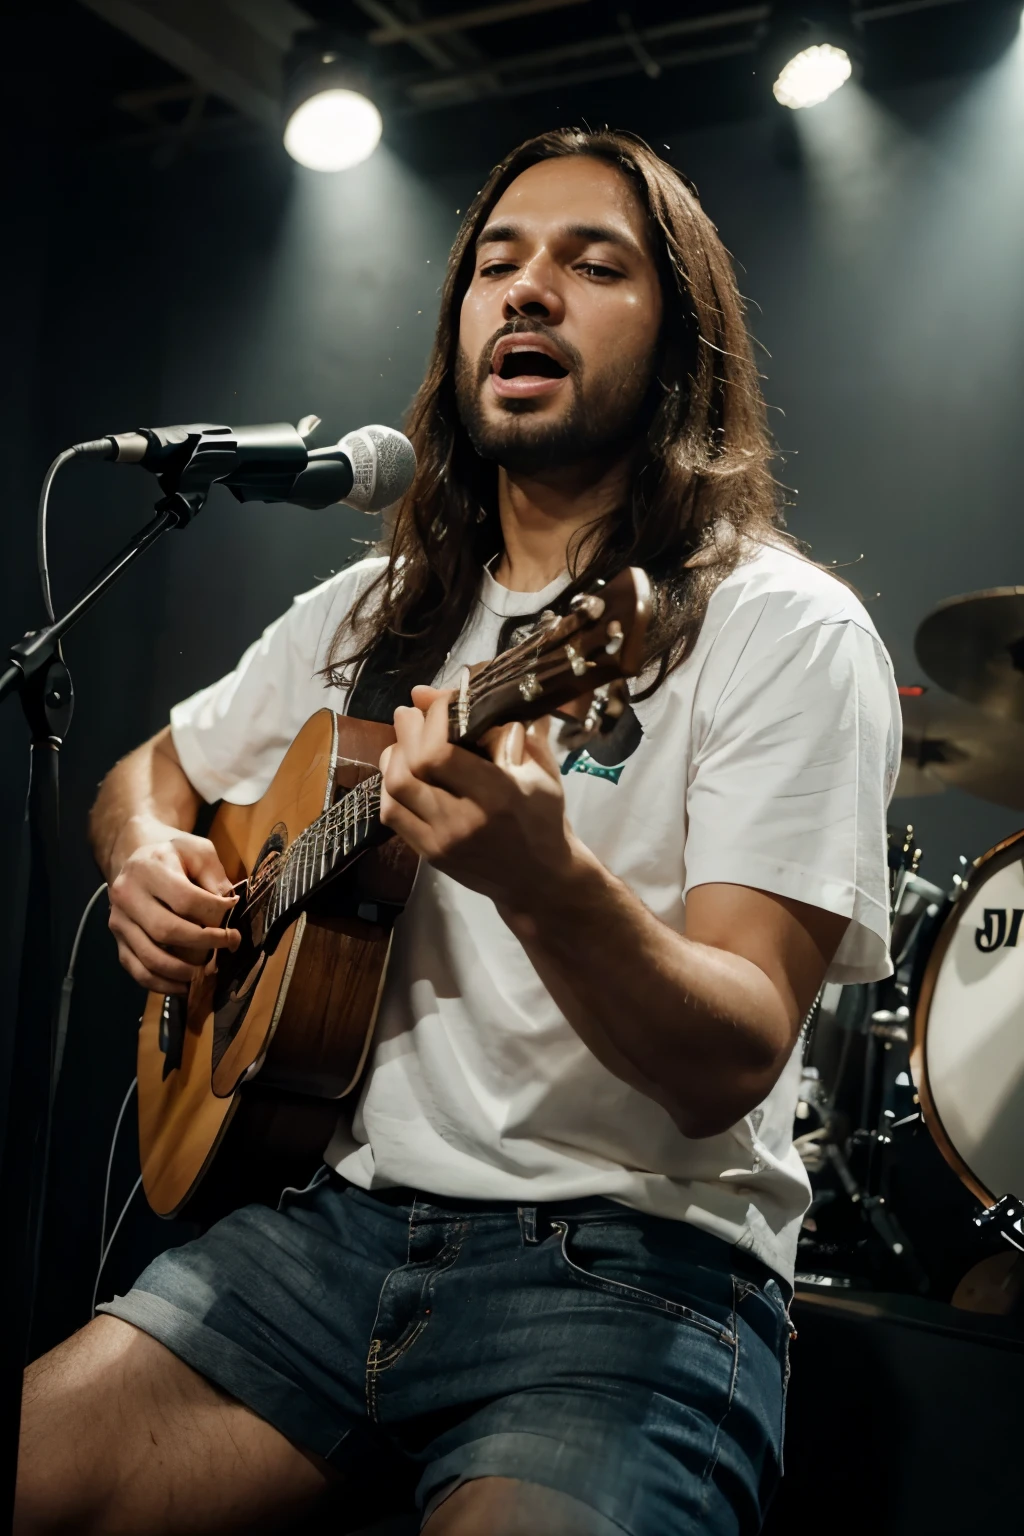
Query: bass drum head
(969, 1029)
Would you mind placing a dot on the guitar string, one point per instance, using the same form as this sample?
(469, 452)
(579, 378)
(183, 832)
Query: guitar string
(290, 871)
(345, 816)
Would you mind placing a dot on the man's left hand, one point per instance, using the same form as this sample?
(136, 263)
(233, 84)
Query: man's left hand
(495, 824)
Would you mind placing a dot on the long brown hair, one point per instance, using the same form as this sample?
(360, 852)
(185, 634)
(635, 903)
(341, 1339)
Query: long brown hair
(703, 482)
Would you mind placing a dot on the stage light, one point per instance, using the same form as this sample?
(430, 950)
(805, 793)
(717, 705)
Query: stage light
(331, 120)
(812, 76)
(809, 49)
(333, 130)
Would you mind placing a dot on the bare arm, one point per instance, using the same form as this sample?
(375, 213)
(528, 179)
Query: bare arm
(701, 1022)
(169, 894)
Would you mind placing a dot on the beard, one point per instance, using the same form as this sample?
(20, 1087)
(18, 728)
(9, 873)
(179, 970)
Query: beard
(602, 418)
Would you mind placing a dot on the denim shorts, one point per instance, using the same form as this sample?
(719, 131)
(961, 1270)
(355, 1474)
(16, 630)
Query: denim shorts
(630, 1362)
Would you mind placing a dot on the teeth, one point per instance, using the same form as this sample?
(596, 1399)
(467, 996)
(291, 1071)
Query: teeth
(545, 366)
(542, 351)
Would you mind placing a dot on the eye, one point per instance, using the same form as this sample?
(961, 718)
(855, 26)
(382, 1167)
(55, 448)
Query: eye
(597, 269)
(497, 268)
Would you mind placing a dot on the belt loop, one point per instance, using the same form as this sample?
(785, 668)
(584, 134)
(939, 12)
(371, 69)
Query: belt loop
(528, 1223)
(412, 1227)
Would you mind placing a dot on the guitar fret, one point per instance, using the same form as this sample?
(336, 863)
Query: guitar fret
(314, 855)
(527, 670)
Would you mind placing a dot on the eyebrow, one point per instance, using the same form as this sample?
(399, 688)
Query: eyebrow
(593, 234)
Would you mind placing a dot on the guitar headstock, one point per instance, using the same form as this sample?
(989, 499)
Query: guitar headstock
(561, 661)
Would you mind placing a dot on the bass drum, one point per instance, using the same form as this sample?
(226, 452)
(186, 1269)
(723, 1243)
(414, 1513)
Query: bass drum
(968, 1057)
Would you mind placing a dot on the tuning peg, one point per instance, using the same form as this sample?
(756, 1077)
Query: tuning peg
(578, 663)
(606, 707)
(615, 638)
(613, 706)
(588, 604)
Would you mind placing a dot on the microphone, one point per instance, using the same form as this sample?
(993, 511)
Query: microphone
(368, 469)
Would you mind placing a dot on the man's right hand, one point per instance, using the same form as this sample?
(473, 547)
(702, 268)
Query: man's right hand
(168, 903)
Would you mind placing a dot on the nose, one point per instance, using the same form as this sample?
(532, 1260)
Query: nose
(534, 294)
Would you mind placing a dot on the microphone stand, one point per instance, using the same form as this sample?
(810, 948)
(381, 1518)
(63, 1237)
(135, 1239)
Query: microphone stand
(40, 677)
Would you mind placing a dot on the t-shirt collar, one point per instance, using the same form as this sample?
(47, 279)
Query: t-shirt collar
(504, 602)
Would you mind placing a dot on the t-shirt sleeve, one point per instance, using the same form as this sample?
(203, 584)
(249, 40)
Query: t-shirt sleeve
(232, 736)
(791, 777)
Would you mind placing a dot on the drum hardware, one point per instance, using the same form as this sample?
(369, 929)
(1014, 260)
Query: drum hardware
(1006, 1219)
(853, 1095)
(912, 1099)
(903, 860)
(886, 1211)
(911, 1110)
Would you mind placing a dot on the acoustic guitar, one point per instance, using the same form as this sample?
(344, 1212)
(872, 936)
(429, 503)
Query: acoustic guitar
(240, 1081)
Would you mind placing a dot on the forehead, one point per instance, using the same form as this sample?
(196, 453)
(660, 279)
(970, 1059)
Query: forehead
(573, 190)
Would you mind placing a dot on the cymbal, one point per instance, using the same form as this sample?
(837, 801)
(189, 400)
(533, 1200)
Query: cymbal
(973, 646)
(948, 744)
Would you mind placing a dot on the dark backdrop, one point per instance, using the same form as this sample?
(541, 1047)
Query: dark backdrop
(880, 244)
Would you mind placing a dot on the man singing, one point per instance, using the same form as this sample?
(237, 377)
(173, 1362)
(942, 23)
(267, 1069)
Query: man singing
(547, 1266)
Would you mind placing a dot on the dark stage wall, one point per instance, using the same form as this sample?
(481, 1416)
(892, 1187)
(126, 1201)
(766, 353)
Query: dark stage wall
(883, 259)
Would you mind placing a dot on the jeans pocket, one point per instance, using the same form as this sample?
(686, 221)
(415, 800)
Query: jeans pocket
(295, 1196)
(763, 1309)
(594, 1256)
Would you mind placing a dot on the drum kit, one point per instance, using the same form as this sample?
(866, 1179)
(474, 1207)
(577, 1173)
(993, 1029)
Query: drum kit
(911, 1115)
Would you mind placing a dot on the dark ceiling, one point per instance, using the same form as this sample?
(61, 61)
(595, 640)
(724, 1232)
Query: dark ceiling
(462, 93)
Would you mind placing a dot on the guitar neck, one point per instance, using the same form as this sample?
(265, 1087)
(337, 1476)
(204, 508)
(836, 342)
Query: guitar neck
(323, 850)
(596, 644)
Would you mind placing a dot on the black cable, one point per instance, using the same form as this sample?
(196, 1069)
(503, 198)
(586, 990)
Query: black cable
(98, 448)
(106, 1244)
(67, 988)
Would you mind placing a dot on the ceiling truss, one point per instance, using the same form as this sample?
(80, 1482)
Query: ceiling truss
(233, 50)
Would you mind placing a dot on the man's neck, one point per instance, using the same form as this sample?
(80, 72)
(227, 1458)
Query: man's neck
(541, 514)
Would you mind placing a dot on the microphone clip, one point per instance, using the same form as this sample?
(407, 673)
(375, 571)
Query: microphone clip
(261, 463)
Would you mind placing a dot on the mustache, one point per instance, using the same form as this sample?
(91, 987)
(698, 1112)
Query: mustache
(565, 349)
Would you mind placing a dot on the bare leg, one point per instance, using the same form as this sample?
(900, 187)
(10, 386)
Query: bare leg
(121, 1438)
(502, 1506)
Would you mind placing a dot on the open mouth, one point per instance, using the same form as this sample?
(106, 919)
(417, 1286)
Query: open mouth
(518, 365)
(521, 372)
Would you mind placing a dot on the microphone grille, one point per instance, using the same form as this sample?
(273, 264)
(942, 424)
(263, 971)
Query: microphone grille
(383, 465)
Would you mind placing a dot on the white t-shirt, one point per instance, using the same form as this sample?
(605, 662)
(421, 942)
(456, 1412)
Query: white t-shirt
(767, 759)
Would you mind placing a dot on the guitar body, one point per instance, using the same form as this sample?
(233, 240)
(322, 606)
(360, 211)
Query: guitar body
(240, 1083)
(239, 1089)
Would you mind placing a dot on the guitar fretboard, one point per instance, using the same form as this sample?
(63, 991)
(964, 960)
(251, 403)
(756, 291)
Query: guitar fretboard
(319, 852)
